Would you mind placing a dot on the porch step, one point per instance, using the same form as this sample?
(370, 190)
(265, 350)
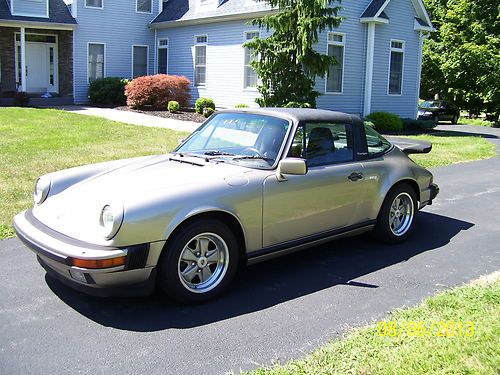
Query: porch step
(40, 102)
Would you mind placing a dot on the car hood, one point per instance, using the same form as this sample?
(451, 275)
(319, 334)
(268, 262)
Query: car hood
(75, 211)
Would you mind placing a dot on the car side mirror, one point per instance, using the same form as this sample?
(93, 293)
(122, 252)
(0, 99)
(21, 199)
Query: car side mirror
(291, 166)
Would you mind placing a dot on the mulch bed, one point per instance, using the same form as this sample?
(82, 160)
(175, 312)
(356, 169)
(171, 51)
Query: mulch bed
(186, 114)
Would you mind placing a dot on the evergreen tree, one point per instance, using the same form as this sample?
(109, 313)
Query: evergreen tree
(286, 61)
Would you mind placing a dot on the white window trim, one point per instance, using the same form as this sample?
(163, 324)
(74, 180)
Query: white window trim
(132, 59)
(56, 59)
(248, 88)
(141, 12)
(342, 44)
(204, 85)
(158, 47)
(104, 70)
(93, 7)
(392, 49)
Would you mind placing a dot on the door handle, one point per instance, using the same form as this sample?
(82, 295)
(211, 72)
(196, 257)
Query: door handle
(355, 176)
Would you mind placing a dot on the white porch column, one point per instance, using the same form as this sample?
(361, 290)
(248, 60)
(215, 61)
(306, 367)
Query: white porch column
(23, 59)
(370, 48)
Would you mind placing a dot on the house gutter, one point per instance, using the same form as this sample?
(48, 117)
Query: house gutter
(212, 19)
(38, 25)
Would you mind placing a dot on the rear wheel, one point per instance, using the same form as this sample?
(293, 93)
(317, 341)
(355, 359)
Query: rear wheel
(396, 219)
(199, 262)
(454, 121)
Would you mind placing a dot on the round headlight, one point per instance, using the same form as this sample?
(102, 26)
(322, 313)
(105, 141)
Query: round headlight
(110, 220)
(42, 188)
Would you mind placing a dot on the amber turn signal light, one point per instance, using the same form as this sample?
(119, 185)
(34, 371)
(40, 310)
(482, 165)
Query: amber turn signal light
(98, 263)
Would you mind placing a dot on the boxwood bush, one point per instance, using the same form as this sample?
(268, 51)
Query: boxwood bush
(202, 103)
(154, 92)
(173, 106)
(425, 125)
(385, 122)
(108, 91)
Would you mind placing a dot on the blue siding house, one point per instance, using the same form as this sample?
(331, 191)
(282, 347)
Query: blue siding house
(56, 47)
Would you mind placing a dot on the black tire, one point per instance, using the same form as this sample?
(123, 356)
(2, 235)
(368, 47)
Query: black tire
(383, 229)
(454, 121)
(170, 264)
(436, 119)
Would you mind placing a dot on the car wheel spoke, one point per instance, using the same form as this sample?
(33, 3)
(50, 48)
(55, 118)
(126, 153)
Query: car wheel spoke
(188, 256)
(190, 272)
(205, 274)
(203, 244)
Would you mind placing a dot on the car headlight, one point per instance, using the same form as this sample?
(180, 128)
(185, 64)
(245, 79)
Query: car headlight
(110, 220)
(42, 188)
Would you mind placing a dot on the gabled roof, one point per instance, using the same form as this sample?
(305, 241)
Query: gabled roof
(375, 11)
(185, 10)
(58, 13)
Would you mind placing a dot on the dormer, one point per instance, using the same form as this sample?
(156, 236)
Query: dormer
(29, 8)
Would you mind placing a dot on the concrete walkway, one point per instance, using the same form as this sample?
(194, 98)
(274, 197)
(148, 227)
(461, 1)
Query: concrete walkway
(134, 118)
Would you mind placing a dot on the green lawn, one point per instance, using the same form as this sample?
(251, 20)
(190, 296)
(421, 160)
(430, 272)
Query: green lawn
(475, 121)
(37, 141)
(448, 149)
(456, 332)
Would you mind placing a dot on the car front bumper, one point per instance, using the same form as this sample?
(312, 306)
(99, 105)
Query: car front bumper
(56, 252)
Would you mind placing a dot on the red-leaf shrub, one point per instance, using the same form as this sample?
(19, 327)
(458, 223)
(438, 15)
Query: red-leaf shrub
(156, 91)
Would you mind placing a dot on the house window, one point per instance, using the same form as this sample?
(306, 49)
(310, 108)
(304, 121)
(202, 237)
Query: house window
(250, 75)
(139, 61)
(93, 3)
(335, 75)
(200, 60)
(96, 61)
(163, 56)
(396, 67)
(143, 6)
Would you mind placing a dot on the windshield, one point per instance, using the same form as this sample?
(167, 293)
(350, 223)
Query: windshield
(430, 104)
(241, 138)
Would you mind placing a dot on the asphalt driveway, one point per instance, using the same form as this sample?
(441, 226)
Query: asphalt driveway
(276, 310)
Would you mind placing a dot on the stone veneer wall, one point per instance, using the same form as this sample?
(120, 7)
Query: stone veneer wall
(65, 57)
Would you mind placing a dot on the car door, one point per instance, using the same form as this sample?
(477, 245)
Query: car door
(325, 198)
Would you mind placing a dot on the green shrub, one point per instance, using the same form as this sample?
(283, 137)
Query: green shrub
(241, 105)
(108, 91)
(385, 121)
(173, 106)
(202, 103)
(297, 105)
(208, 111)
(411, 124)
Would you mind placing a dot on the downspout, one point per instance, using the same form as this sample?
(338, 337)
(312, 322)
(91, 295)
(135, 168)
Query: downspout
(370, 49)
(23, 59)
(156, 53)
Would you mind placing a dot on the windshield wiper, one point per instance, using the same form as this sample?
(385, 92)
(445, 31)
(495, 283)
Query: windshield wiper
(218, 153)
(253, 157)
(183, 154)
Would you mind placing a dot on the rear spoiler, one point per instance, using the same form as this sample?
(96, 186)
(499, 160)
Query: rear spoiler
(411, 146)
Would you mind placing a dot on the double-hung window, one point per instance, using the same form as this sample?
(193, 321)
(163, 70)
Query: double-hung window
(335, 75)
(250, 78)
(162, 56)
(96, 60)
(143, 6)
(139, 61)
(396, 67)
(93, 3)
(200, 60)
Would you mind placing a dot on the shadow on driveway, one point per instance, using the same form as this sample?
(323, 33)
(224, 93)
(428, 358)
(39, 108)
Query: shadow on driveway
(268, 284)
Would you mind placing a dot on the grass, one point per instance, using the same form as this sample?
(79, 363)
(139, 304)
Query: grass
(447, 149)
(437, 347)
(37, 141)
(475, 121)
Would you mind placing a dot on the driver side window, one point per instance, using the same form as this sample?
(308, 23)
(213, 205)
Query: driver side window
(323, 143)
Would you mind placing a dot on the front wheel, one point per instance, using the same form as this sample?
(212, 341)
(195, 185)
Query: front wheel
(199, 262)
(396, 219)
(454, 120)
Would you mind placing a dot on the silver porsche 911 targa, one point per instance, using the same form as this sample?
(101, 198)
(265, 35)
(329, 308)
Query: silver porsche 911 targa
(247, 185)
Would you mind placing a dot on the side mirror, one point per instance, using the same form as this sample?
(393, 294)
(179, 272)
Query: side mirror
(291, 166)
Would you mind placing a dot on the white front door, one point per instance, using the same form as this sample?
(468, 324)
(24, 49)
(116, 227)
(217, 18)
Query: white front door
(37, 67)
